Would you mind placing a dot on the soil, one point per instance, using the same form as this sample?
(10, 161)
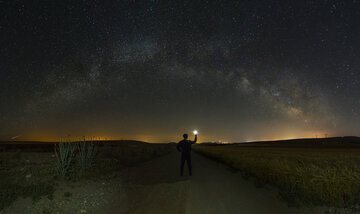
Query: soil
(155, 186)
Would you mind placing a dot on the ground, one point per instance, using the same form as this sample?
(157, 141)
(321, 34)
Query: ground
(211, 189)
(155, 186)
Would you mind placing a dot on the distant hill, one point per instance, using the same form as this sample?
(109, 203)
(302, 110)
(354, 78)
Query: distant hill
(346, 141)
(49, 146)
(45, 142)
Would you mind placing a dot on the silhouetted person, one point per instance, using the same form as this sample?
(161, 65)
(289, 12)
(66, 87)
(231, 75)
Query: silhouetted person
(184, 146)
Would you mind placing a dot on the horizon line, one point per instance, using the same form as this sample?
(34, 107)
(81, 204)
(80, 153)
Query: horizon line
(224, 142)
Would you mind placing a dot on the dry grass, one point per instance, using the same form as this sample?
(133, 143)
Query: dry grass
(24, 176)
(316, 176)
(34, 173)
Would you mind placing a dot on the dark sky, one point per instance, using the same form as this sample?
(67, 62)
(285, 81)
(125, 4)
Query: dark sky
(152, 70)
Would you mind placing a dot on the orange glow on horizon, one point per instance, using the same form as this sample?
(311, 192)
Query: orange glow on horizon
(270, 136)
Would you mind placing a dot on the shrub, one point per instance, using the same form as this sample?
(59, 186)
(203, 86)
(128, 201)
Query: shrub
(87, 153)
(65, 155)
(67, 194)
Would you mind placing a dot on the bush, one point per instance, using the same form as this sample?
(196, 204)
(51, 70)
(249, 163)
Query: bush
(65, 155)
(87, 154)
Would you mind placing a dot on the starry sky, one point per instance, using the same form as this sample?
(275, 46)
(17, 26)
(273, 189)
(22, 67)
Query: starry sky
(151, 70)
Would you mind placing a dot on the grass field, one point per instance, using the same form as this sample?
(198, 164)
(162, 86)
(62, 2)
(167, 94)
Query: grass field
(28, 169)
(305, 173)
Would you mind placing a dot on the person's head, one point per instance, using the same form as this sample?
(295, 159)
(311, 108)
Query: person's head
(185, 136)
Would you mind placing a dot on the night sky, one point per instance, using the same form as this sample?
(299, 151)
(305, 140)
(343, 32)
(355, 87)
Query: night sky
(152, 70)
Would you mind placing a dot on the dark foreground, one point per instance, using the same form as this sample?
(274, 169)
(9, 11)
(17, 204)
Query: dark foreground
(154, 186)
(211, 189)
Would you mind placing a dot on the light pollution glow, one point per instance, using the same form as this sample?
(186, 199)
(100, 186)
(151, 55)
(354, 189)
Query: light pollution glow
(206, 137)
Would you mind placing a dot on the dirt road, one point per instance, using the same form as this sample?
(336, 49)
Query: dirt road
(156, 187)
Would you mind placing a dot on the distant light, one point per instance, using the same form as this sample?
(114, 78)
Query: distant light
(15, 137)
(195, 132)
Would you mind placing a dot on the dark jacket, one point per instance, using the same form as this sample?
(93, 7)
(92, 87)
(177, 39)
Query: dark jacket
(184, 146)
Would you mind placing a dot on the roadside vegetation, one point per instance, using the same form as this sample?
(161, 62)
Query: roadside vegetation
(35, 173)
(310, 176)
(21, 177)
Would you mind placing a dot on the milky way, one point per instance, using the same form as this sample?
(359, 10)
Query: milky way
(151, 70)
